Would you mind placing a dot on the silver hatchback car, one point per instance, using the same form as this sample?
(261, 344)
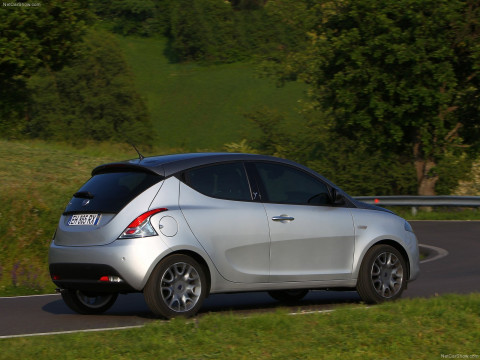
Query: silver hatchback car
(181, 227)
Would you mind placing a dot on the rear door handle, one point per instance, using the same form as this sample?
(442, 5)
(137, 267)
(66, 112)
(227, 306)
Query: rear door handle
(283, 218)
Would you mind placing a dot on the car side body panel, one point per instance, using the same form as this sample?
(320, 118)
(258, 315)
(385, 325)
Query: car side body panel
(318, 244)
(373, 227)
(233, 233)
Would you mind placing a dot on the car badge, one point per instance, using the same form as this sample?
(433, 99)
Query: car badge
(85, 202)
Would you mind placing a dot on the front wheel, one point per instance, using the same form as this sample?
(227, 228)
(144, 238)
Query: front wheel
(382, 275)
(88, 303)
(177, 287)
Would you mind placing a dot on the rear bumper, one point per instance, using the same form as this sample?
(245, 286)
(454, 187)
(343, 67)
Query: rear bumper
(87, 277)
(131, 260)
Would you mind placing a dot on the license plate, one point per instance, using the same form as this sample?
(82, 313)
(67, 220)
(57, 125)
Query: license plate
(84, 219)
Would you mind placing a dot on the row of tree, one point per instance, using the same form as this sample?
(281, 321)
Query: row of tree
(394, 93)
(62, 79)
(394, 85)
(207, 30)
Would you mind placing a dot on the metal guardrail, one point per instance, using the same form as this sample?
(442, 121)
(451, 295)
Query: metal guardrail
(414, 201)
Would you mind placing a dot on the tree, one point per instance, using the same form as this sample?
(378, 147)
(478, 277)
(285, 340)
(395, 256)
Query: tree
(352, 166)
(202, 30)
(128, 16)
(31, 38)
(93, 98)
(401, 77)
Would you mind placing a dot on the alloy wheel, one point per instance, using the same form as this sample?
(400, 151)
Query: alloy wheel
(181, 287)
(387, 274)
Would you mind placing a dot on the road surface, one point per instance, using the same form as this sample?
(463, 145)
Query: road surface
(457, 272)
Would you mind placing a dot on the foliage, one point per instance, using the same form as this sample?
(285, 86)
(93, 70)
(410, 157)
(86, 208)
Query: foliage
(470, 186)
(437, 213)
(399, 77)
(92, 98)
(240, 147)
(247, 4)
(202, 30)
(31, 38)
(129, 17)
(352, 166)
(209, 31)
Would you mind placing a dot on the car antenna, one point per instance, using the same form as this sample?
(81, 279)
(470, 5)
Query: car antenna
(140, 156)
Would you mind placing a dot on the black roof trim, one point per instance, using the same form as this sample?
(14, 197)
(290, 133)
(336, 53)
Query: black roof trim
(121, 167)
(167, 165)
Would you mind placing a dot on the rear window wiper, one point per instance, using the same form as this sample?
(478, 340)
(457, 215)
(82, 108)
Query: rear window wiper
(84, 195)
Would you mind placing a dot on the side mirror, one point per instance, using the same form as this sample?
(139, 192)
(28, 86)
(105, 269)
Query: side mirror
(338, 199)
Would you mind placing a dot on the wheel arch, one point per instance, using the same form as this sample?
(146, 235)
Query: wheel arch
(198, 258)
(398, 247)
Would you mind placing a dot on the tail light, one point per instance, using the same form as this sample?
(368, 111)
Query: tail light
(141, 226)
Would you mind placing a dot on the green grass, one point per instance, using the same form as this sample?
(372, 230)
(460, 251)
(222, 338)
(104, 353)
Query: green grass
(38, 179)
(406, 329)
(196, 107)
(437, 213)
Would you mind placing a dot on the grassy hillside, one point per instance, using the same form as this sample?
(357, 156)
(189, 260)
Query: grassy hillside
(202, 107)
(38, 179)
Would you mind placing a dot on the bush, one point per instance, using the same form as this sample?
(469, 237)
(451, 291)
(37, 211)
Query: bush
(91, 99)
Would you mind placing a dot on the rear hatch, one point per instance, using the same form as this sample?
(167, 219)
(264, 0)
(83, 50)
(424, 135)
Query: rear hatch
(104, 206)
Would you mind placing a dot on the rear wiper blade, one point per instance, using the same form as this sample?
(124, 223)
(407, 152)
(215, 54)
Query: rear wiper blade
(84, 195)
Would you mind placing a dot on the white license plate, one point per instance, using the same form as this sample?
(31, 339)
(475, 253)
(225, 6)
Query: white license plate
(84, 219)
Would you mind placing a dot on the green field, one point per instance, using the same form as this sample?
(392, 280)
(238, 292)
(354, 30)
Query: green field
(407, 329)
(38, 180)
(195, 107)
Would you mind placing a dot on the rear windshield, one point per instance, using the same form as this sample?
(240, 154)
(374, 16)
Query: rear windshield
(110, 192)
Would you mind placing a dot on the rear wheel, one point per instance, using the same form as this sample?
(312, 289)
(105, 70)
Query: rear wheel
(382, 275)
(177, 287)
(288, 296)
(87, 303)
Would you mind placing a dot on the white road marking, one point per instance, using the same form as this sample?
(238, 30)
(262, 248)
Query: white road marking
(439, 253)
(72, 331)
(26, 296)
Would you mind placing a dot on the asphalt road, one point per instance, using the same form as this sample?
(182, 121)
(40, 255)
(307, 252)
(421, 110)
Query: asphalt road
(457, 272)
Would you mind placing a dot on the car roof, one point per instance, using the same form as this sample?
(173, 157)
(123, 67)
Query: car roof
(167, 165)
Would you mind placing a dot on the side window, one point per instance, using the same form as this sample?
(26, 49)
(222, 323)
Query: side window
(284, 184)
(225, 181)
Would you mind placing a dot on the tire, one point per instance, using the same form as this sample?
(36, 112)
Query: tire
(288, 296)
(88, 303)
(176, 287)
(383, 275)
